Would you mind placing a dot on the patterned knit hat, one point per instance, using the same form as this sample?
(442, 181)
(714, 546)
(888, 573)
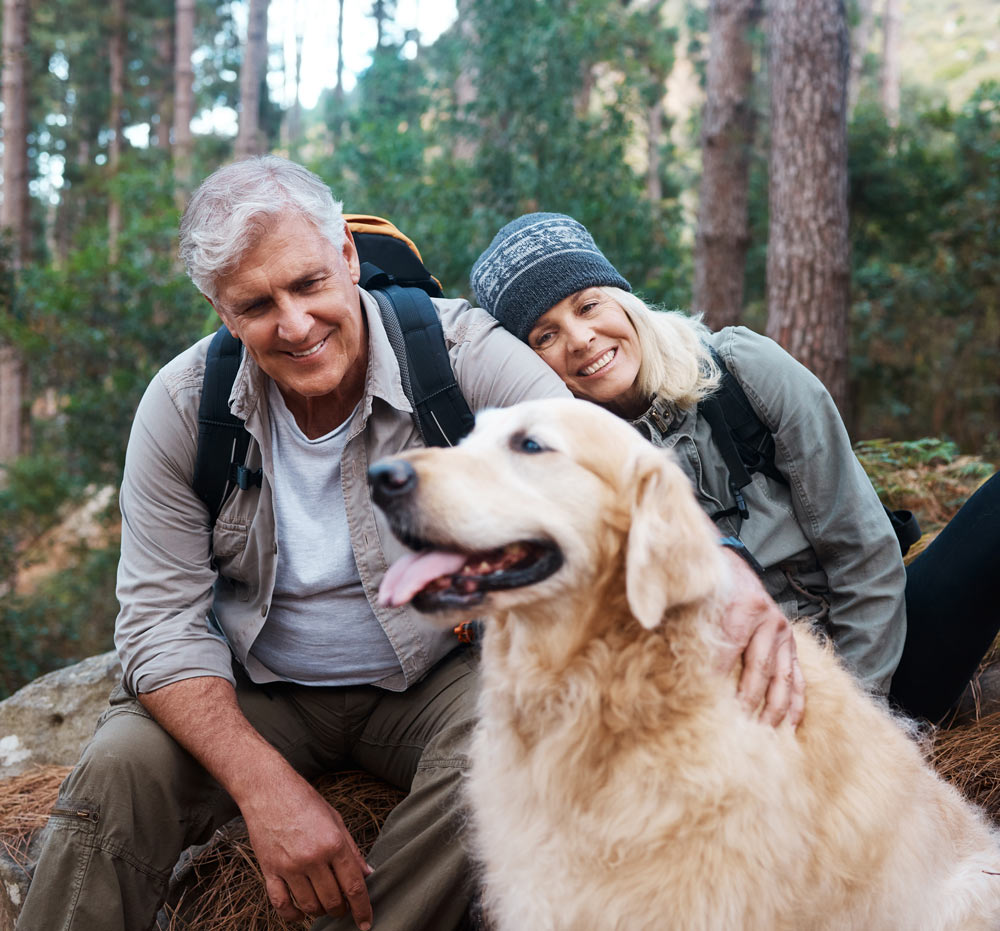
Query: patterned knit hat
(533, 263)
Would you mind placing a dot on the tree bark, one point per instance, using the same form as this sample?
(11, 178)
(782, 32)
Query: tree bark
(466, 146)
(14, 216)
(808, 255)
(723, 235)
(159, 135)
(861, 37)
(654, 141)
(116, 54)
(15, 128)
(183, 98)
(251, 75)
(892, 27)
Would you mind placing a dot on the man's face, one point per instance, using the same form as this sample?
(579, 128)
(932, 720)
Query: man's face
(293, 303)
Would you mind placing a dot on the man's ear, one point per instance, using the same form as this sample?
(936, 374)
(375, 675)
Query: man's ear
(225, 322)
(671, 556)
(350, 253)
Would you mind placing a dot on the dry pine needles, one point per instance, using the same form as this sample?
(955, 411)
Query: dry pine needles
(221, 889)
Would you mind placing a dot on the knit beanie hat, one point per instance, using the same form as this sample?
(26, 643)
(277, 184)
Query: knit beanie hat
(533, 263)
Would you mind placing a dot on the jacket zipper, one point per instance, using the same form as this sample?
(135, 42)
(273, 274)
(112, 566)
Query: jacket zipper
(83, 813)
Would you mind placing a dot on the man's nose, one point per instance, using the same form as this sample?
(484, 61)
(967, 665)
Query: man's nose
(294, 319)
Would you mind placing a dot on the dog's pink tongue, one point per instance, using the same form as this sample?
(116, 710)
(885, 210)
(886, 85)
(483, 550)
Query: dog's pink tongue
(408, 575)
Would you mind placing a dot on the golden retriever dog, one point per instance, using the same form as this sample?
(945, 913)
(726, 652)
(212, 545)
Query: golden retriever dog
(615, 780)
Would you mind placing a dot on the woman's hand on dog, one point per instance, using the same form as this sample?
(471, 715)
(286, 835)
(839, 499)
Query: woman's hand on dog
(761, 635)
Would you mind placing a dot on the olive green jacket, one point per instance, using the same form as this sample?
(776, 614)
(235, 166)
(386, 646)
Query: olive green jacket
(825, 543)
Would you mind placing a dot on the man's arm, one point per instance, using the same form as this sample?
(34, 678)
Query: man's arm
(310, 862)
(181, 670)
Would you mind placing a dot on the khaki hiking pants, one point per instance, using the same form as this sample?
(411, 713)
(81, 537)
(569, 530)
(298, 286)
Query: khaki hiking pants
(136, 800)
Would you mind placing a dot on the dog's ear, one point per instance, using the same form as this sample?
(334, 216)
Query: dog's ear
(672, 555)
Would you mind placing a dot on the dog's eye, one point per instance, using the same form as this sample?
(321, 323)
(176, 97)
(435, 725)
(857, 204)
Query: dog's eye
(522, 443)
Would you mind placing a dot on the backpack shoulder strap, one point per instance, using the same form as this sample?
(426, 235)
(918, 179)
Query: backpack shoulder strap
(737, 428)
(414, 329)
(751, 436)
(223, 440)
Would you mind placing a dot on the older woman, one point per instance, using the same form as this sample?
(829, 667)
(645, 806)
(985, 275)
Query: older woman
(814, 524)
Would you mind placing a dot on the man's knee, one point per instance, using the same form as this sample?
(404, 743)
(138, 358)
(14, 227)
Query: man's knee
(134, 781)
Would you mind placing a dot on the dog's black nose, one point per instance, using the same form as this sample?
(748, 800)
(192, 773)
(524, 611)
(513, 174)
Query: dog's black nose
(391, 480)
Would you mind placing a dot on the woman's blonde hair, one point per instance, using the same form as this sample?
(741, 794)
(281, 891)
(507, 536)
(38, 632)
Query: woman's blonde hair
(676, 362)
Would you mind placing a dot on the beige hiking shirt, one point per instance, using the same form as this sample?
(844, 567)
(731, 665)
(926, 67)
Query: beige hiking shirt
(168, 582)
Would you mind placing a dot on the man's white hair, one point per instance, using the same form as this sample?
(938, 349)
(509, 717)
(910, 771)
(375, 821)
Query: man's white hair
(238, 203)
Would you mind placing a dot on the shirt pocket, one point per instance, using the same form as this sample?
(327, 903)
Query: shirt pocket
(229, 546)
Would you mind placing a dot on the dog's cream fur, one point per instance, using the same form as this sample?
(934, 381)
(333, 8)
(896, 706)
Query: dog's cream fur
(616, 781)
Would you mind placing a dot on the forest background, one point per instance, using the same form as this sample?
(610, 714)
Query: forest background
(826, 173)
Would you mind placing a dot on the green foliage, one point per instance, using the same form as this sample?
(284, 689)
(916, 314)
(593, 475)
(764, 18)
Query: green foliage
(70, 617)
(94, 333)
(546, 130)
(925, 202)
(71, 614)
(928, 476)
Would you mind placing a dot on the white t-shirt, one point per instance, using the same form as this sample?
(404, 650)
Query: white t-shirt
(320, 629)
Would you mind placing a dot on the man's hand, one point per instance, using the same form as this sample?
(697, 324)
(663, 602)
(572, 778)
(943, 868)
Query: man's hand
(310, 862)
(757, 630)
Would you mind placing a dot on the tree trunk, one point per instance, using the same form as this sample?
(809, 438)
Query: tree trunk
(251, 76)
(159, 134)
(14, 215)
(116, 53)
(892, 26)
(183, 98)
(723, 234)
(861, 37)
(466, 146)
(15, 128)
(294, 121)
(807, 256)
(654, 142)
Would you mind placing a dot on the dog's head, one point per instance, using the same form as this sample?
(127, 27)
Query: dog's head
(540, 500)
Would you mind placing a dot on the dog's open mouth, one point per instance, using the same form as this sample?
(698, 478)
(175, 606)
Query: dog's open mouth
(436, 579)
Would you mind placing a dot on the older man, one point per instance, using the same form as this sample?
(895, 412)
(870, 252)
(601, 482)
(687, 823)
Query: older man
(255, 653)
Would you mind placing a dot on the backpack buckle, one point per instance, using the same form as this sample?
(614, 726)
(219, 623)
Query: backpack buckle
(245, 478)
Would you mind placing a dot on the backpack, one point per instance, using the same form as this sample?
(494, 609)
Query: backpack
(393, 272)
(747, 446)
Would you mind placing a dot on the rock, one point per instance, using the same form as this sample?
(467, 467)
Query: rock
(51, 719)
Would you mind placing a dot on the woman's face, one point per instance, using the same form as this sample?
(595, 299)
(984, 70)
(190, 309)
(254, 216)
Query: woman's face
(590, 343)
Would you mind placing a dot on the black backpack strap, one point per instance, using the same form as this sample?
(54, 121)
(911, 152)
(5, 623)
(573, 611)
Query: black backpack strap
(739, 477)
(906, 526)
(223, 440)
(414, 330)
(749, 433)
(747, 445)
